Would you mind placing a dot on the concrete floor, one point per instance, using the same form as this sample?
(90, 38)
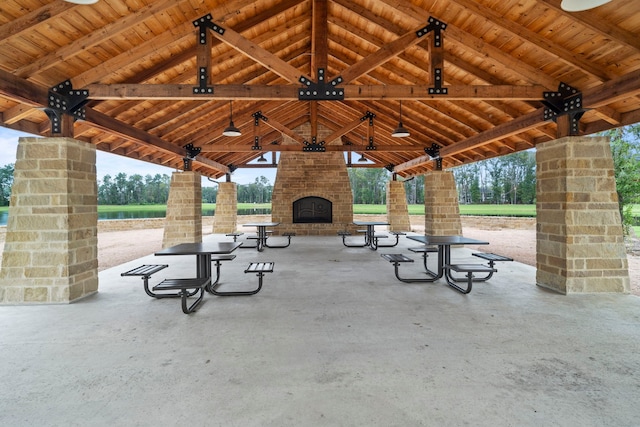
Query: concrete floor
(333, 339)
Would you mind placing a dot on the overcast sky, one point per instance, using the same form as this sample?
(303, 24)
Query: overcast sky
(111, 164)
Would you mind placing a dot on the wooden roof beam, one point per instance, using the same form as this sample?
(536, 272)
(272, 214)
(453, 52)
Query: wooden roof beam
(295, 147)
(148, 92)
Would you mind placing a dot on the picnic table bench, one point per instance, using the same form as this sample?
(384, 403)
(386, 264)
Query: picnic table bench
(186, 288)
(145, 272)
(469, 269)
(260, 268)
(396, 260)
(425, 251)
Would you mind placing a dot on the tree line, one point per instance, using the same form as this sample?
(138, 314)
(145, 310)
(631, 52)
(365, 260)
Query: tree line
(508, 179)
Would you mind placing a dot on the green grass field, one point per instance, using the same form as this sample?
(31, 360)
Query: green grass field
(482, 210)
(493, 210)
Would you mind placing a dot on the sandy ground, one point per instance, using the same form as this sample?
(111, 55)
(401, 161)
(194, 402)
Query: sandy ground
(117, 247)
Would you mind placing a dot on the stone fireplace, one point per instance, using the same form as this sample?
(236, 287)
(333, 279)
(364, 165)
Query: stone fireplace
(320, 180)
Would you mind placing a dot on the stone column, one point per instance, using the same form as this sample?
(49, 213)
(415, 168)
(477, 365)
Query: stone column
(226, 217)
(441, 210)
(580, 244)
(51, 249)
(397, 209)
(183, 223)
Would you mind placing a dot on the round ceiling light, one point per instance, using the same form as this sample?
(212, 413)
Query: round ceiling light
(581, 5)
(82, 1)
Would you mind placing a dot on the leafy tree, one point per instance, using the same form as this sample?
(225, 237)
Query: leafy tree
(259, 191)
(369, 185)
(507, 179)
(625, 149)
(6, 181)
(414, 189)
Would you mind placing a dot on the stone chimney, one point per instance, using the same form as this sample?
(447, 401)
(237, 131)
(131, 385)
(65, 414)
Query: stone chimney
(312, 174)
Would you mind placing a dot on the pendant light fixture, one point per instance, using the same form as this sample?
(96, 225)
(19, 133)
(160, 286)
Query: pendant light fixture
(231, 130)
(581, 5)
(261, 159)
(401, 131)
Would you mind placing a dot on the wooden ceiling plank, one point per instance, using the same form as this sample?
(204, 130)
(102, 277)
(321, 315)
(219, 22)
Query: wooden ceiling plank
(416, 15)
(17, 27)
(94, 38)
(258, 54)
(168, 38)
(380, 56)
(595, 23)
(114, 126)
(534, 38)
(274, 124)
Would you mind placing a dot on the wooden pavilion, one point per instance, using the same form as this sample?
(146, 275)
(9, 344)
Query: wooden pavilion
(164, 81)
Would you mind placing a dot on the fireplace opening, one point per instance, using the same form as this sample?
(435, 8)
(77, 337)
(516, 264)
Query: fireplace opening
(312, 210)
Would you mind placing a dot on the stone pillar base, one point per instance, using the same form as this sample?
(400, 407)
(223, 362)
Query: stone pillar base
(183, 223)
(51, 248)
(580, 243)
(397, 208)
(226, 216)
(441, 210)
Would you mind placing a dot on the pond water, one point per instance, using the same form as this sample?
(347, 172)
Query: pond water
(160, 213)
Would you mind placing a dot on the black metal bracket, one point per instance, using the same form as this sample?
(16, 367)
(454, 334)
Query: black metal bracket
(369, 116)
(202, 87)
(203, 24)
(314, 146)
(437, 89)
(232, 168)
(566, 101)
(434, 153)
(320, 91)
(257, 116)
(390, 168)
(192, 152)
(63, 99)
(437, 27)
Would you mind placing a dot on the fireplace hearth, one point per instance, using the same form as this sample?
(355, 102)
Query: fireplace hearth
(312, 210)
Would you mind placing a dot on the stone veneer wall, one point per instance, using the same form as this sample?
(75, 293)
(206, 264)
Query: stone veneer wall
(397, 208)
(226, 216)
(312, 174)
(51, 249)
(442, 213)
(580, 243)
(183, 221)
(303, 174)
